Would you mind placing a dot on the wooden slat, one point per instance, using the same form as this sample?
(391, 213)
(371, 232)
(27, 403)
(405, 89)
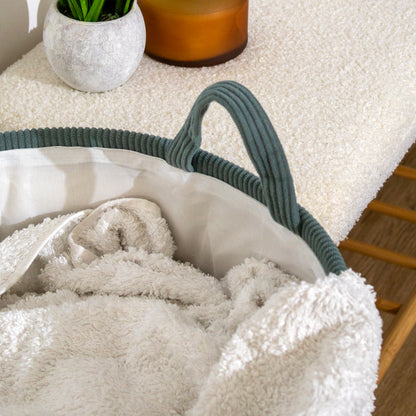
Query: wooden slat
(405, 172)
(402, 325)
(392, 211)
(378, 253)
(386, 305)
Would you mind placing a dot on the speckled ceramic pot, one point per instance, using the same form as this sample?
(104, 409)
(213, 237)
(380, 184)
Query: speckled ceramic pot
(94, 56)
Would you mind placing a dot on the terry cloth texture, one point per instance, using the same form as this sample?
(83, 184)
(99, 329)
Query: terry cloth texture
(121, 328)
(337, 78)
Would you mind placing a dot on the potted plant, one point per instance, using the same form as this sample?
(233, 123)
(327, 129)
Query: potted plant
(94, 45)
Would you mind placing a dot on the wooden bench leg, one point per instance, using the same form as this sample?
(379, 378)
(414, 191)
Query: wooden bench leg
(405, 318)
(403, 323)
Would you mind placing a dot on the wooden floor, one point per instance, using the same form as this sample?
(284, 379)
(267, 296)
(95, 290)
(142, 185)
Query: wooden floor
(396, 394)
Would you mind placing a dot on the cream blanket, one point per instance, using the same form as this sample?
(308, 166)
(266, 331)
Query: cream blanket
(118, 327)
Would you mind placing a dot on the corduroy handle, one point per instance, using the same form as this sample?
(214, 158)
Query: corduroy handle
(261, 142)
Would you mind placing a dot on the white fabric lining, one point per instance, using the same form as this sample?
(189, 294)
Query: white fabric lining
(214, 225)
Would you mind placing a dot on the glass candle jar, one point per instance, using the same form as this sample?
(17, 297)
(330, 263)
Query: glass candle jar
(195, 32)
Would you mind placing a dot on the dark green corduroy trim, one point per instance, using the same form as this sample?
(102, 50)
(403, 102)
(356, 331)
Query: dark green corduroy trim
(309, 229)
(84, 137)
(260, 139)
(275, 187)
(203, 162)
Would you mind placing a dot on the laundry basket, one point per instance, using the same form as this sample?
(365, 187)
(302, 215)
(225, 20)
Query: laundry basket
(219, 214)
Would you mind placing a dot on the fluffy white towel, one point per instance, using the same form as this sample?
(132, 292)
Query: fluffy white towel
(121, 328)
(19, 251)
(117, 225)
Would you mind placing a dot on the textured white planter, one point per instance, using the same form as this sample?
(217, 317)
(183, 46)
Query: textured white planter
(94, 56)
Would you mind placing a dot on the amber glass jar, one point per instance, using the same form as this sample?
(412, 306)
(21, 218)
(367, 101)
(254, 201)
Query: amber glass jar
(195, 32)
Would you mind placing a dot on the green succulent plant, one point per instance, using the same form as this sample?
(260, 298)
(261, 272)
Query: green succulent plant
(94, 10)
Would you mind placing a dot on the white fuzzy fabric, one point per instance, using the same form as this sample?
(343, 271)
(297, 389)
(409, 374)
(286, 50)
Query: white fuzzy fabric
(337, 78)
(123, 329)
(19, 250)
(120, 224)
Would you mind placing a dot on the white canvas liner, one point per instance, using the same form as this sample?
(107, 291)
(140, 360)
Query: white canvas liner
(214, 225)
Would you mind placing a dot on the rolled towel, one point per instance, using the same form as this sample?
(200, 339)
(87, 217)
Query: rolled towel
(118, 225)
